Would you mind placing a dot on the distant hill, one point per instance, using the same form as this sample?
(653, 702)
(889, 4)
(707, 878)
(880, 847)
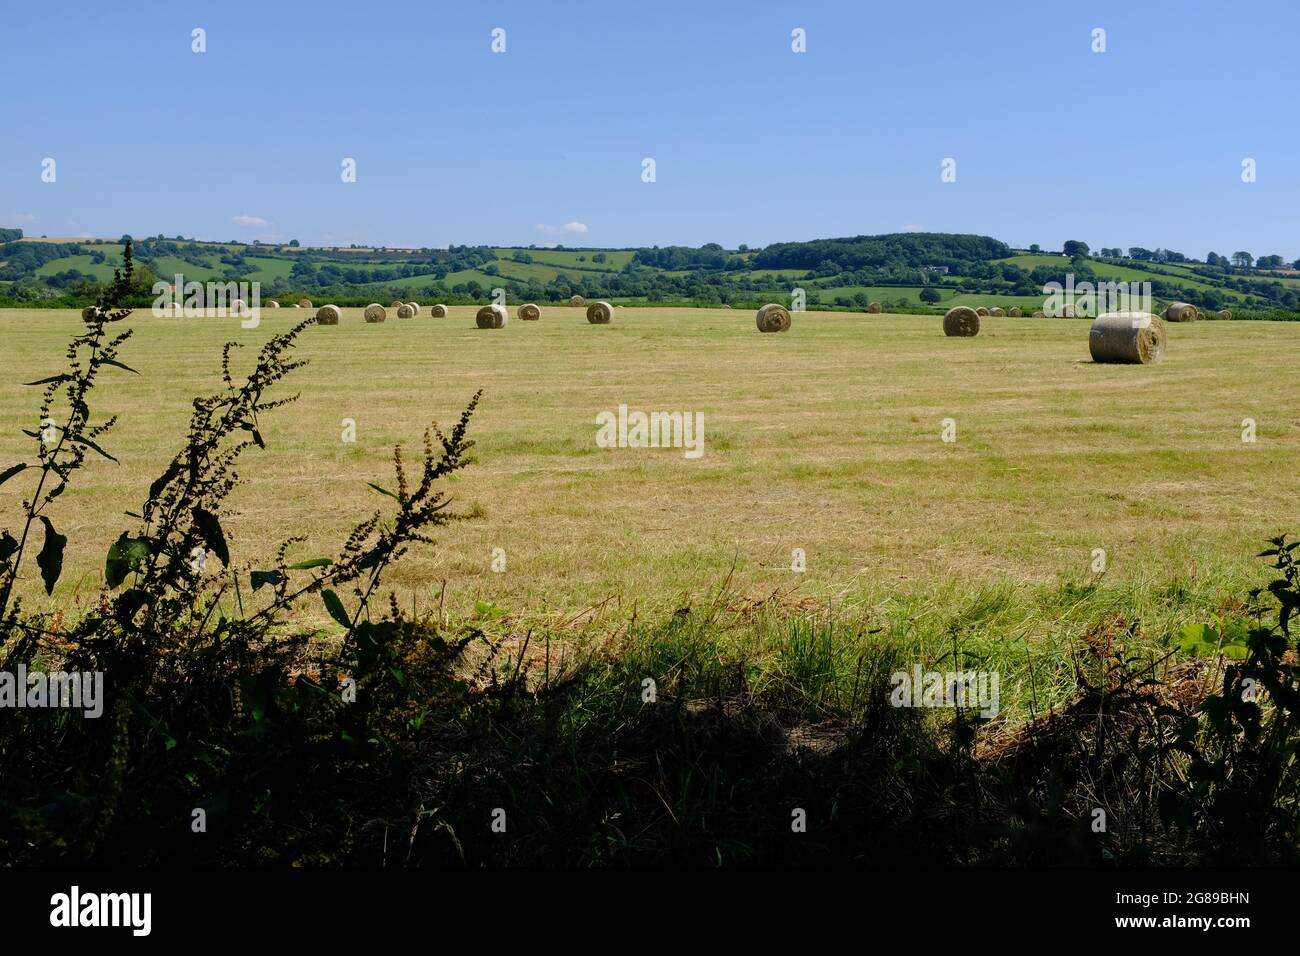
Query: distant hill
(903, 271)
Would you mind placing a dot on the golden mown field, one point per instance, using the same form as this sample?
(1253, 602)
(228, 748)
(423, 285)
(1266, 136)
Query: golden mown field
(826, 438)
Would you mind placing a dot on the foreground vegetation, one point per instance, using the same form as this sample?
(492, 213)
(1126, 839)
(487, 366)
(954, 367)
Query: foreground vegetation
(727, 731)
(463, 749)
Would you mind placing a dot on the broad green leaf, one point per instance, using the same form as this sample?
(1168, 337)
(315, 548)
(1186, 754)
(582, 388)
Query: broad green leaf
(1233, 631)
(1197, 639)
(124, 556)
(382, 491)
(310, 563)
(489, 610)
(50, 560)
(335, 607)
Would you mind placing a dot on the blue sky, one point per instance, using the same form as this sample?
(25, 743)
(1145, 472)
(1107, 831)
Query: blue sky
(753, 143)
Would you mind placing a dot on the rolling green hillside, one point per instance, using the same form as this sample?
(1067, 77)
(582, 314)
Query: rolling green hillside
(1134, 272)
(907, 271)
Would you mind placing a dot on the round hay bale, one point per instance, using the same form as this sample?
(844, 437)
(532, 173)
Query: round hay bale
(89, 312)
(577, 302)
(997, 312)
(404, 311)
(492, 317)
(1068, 312)
(328, 315)
(773, 318)
(1224, 314)
(1015, 312)
(305, 303)
(875, 308)
(396, 304)
(273, 304)
(981, 311)
(529, 312)
(725, 306)
(438, 311)
(1133, 338)
(961, 320)
(1181, 312)
(375, 312)
(415, 307)
(599, 313)
(1039, 315)
(239, 307)
(297, 305)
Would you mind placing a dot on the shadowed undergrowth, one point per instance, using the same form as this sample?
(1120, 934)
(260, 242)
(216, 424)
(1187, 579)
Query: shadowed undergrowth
(750, 728)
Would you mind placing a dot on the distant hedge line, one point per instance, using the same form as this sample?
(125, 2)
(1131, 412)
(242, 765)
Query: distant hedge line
(1261, 315)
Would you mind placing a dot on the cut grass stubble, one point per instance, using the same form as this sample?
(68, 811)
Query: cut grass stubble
(826, 439)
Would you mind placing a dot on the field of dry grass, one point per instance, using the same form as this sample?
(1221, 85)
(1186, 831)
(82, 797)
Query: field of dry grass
(826, 438)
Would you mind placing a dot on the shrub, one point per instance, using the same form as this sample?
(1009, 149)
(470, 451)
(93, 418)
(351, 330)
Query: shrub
(211, 702)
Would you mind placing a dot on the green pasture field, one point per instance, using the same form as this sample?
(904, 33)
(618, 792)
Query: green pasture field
(102, 271)
(1122, 273)
(563, 259)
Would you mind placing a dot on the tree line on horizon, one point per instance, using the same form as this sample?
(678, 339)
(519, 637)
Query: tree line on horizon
(937, 263)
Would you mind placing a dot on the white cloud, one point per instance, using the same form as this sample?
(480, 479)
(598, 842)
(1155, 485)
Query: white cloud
(578, 227)
(22, 217)
(912, 227)
(249, 221)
